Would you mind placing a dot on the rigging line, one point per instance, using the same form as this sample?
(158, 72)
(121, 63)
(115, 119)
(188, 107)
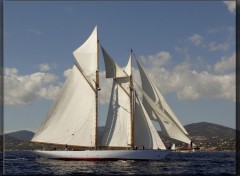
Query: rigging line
(85, 77)
(115, 79)
(125, 109)
(135, 57)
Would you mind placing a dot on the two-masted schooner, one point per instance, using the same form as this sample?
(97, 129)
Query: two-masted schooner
(73, 119)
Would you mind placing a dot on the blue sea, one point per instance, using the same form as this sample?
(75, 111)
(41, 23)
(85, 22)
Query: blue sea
(176, 163)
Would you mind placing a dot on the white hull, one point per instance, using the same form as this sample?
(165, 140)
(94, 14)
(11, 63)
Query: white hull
(96, 155)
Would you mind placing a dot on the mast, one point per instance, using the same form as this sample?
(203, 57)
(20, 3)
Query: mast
(96, 93)
(131, 105)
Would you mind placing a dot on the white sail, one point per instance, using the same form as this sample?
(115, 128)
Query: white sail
(72, 119)
(158, 109)
(166, 123)
(117, 132)
(112, 69)
(144, 132)
(86, 57)
(128, 68)
(117, 129)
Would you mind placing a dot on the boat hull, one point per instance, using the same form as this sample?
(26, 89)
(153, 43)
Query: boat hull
(105, 155)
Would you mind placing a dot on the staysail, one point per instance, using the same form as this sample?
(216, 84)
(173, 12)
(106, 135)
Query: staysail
(117, 132)
(72, 119)
(144, 132)
(158, 109)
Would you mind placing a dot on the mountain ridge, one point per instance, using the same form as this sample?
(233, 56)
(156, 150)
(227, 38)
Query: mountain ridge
(210, 130)
(23, 135)
(202, 133)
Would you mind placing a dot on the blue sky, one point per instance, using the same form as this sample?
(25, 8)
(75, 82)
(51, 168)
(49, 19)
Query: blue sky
(188, 49)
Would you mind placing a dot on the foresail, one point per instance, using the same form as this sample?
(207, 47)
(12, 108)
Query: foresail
(158, 109)
(72, 118)
(144, 132)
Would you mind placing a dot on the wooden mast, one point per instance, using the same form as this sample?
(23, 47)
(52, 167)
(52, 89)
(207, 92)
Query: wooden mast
(131, 105)
(96, 93)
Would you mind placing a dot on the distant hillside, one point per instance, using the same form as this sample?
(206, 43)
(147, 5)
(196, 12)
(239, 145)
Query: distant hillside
(22, 135)
(19, 140)
(207, 136)
(210, 130)
(203, 133)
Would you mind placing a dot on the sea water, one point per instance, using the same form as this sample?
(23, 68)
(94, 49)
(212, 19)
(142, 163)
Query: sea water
(176, 163)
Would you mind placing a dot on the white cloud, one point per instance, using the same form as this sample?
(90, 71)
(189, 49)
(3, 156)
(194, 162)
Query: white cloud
(196, 39)
(231, 5)
(23, 89)
(188, 92)
(226, 64)
(44, 67)
(213, 46)
(159, 59)
(190, 84)
(205, 85)
(181, 79)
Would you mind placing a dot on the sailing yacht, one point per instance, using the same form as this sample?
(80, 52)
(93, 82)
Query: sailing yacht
(73, 119)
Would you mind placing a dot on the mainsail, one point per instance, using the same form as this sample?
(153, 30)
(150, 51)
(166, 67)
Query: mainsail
(119, 127)
(117, 132)
(158, 109)
(72, 119)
